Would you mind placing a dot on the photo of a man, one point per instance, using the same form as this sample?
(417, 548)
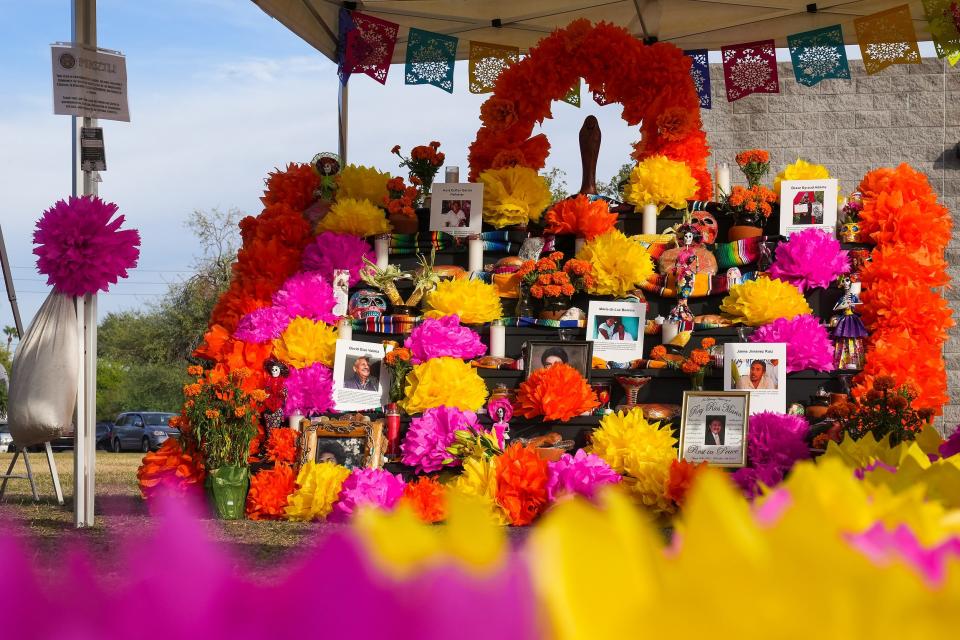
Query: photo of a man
(554, 355)
(453, 214)
(362, 376)
(716, 425)
(330, 451)
(758, 378)
(613, 329)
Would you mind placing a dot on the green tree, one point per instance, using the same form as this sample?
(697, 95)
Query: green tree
(614, 188)
(557, 182)
(11, 333)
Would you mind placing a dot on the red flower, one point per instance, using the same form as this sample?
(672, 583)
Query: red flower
(427, 497)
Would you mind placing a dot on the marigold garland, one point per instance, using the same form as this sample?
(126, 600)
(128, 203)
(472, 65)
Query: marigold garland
(282, 446)
(474, 301)
(427, 497)
(661, 181)
(362, 183)
(305, 342)
(522, 484)
(757, 302)
(318, 485)
(581, 216)
(557, 392)
(359, 218)
(619, 264)
(651, 82)
(446, 381)
(269, 490)
(513, 196)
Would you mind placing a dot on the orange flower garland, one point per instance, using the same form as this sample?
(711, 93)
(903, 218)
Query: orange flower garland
(907, 319)
(269, 491)
(651, 82)
(521, 483)
(580, 216)
(427, 498)
(282, 446)
(557, 392)
(170, 468)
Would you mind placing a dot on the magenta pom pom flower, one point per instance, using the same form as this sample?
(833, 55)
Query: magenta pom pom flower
(262, 325)
(808, 344)
(774, 444)
(810, 258)
(374, 487)
(427, 439)
(80, 249)
(307, 294)
(330, 251)
(436, 337)
(309, 391)
(582, 474)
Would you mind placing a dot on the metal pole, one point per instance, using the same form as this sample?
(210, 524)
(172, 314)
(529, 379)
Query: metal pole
(342, 122)
(8, 280)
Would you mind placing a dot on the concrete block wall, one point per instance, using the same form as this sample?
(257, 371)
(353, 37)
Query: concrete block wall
(906, 113)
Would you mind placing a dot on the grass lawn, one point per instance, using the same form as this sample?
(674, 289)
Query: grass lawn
(48, 531)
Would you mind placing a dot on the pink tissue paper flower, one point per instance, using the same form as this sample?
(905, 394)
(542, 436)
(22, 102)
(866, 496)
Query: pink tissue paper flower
(330, 251)
(309, 391)
(951, 446)
(262, 325)
(882, 546)
(810, 258)
(437, 337)
(307, 294)
(425, 445)
(774, 444)
(80, 249)
(374, 487)
(808, 344)
(582, 474)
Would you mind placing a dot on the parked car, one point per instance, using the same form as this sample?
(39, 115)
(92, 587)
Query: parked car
(141, 431)
(104, 434)
(6, 440)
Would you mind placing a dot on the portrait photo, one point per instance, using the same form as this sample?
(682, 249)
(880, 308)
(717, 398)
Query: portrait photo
(759, 368)
(713, 436)
(713, 427)
(577, 354)
(358, 376)
(754, 374)
(808, 203)
(455, 213)
(353, 441)
(456, 208)
(347, 452)
(808, 207)
(362, 373)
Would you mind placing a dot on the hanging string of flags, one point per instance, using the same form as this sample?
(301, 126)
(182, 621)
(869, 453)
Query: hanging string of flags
(885, 38)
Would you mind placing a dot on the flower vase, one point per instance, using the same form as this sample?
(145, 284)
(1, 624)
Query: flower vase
(525, 304)
(228, 488)
(743, 231)
(697, 379)
(632, 386)
(554, 308)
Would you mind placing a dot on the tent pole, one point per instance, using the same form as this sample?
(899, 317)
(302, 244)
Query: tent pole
(84, 34)
(342, 122)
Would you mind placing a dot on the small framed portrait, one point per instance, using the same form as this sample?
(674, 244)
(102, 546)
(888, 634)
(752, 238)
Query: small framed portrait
(577, 354)
(713, 427)
(358, 383)
(759, 368)
(456, 208)
(353, 441)
(808, 203)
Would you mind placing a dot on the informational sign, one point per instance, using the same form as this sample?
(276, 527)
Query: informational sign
(93, 156)
(760, 368)
(89, 83)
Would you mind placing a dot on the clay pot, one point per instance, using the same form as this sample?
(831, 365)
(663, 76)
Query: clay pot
(404, 224)
(554, 308)
(743, 231)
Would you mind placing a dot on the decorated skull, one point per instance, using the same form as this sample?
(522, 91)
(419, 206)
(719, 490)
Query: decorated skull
(367, 303)
(706, 224)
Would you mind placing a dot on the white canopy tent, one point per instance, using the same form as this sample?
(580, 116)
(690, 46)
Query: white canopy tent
(689, 24)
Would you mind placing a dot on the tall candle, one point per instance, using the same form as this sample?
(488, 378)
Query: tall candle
(578, 244)
(475, 248)
(381, 245)
(723, 179)
(294, 421)
(345, 329)
(649, 219)
(498, 340)
(451, 174)
(671, 328)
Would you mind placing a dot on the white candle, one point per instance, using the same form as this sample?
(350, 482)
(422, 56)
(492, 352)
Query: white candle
(498, 340)
(381, 245)
(294, 421)
(856, 288)
(671, 328)
(723, 179)
(649, 219)
(451, 174)
(475, 248)
(578, 244)
(345, 329)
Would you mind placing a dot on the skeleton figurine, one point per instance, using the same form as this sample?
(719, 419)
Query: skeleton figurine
(276, 398)
(848, 329)
(689, 242)
(706, 224)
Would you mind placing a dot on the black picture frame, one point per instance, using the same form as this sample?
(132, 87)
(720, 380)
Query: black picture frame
(578, 354)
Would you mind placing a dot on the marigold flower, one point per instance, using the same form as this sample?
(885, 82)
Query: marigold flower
(700, 357)
(195, 370)
(658, 352)
(706, 343)
(213, 414)
(689, 367)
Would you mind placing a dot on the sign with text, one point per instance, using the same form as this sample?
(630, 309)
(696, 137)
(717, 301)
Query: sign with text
(713, 427)
(89, 83)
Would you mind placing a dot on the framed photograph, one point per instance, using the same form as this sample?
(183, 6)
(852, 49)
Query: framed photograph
(808, 203)
(759, 368)
(354, 441)
(358, 370)
(713, 427)
(616, 329)
(578, 354)
(456, 208)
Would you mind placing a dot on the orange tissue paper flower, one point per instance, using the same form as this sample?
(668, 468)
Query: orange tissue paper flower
(682, 476)
(427, 497)
(171, 468)
(521, 483)
(557, 392)
(282, 446)
(269, 492)
(581, 216)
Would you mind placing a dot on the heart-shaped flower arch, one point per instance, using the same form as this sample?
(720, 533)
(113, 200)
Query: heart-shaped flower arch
(651, 82)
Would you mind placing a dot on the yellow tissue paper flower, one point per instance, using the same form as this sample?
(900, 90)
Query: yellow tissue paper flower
(479, 481)
(800, 170)
(475, 301)
(758, 302)
(661, 181)
(362, 183)
(318, 485)
(355, 217)
(404, 546)
(641, 451)
(619, 264)
(445, 381)
(513, 195)
(305, 342)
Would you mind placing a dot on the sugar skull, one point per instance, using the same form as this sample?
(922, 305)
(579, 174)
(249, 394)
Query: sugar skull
(734, 277)
(706, 224)
(367, 303)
